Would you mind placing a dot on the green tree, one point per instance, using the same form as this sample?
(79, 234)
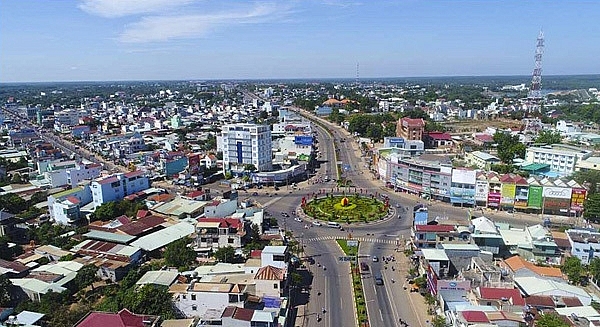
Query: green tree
(12, 203)
(179, 254)
(439, 321)
(509, 147)
(9, 252)
(548, 137)
(551, 320)
(86, 276)
(5, 286)
(150, 300)
(225, 254)
(591, 207)
(573, 269)
(594, 268)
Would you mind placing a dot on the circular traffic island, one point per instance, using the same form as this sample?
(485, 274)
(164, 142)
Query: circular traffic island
(346, 208)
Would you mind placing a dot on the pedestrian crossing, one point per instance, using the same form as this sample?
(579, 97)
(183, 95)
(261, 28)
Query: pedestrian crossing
(360, 239)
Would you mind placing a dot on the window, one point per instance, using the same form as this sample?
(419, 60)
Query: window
(194, 307)
(230, 240)
(275, 286)
(183, 296)
(193, 297)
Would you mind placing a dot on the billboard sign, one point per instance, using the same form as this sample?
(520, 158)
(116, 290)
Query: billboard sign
(534, 197)
(194, 163)
(303, 140)
(464, 285)
(481, 191)
(395, 140)
(521, 195)
(494, 199)
(557, 192)
(577, 199)
(508, 193)
(463, 176)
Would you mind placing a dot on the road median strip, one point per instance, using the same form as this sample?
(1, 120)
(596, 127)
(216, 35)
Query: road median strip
(359, 303)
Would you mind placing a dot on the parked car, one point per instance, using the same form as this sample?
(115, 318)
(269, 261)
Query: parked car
(378, 280)
(364, 266)
(255, 194)
(285, 214)
(298, 219)
(375, 258)
(316, 223)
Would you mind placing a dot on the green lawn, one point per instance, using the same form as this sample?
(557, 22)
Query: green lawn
(359, 209)
(348, 250)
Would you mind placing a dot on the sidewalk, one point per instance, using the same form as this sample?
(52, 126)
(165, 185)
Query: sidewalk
(417, 302)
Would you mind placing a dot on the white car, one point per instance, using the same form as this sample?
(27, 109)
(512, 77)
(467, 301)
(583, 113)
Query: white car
(298, 219)
(316, 223)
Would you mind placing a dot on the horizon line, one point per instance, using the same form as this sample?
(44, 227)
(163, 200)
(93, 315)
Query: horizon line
(289, 78)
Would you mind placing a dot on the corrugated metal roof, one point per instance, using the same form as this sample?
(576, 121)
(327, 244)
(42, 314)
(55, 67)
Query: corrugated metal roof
(108, 236)
(165, 236)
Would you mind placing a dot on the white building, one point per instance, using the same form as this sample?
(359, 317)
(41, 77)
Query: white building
(60, 173)
(195, 299)
(481, 159)
(245, 144)
(565, 127)
(585, 244)
(561, 158)
(276, 256)
(64, 207)
(67, 118)
(118, 186)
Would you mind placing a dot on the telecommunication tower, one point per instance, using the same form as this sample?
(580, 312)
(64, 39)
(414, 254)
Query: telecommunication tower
(357, 74)
(535, 92)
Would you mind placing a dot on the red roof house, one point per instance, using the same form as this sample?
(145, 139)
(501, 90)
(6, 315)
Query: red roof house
(123, 318)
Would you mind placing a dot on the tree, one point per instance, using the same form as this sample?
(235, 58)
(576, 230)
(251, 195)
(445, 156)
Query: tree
(509, 147)
(86, 276)
(548, 137)
(150, 300)
(594, 268)
(551, 320)
(225, 254)
(6, 252)
(439, 321)
(590, 178)
(12, 203)
(5, 286)
(178, 254)
(573, 269)
(591, 207)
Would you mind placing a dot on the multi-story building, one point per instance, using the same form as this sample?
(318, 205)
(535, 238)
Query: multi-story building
(429, 179)
(246, 144)
(482, 160)
(64, 207)
(65, 119)
(118, 186)
(59, 173)
(562, 158)
(410, 129)
(585, 244)
(214, 233)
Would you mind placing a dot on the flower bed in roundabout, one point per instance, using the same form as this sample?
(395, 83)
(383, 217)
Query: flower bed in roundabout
(345, 208)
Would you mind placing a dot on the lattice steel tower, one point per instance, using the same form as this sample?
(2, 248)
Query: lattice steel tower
(535, 92)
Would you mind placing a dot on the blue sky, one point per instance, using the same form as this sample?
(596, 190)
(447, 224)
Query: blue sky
(204, 39)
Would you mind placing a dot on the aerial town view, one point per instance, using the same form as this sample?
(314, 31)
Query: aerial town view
(187, 163)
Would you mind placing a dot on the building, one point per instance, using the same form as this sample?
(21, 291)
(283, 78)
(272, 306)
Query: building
(410, 129)
(246, 144)
(591, 163)
(214, 233)
(118, 186)
(585, 244)
(438, 140)
(123, 318)
(65, 207)
(199, 298)
(276, 256)
(561, 158)
(406, 148)
(481, 160)
(565, 127)
(429, 236)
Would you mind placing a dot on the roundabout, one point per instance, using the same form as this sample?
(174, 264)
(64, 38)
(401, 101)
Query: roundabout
(345, 208)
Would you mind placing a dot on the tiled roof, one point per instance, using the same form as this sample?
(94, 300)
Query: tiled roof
(511, 294)
(134, 173)
(269, 273)
(123, 318)
(108, 180)
(543, 301)
(413, 122)
(475, 316)
(14, 266)
(223, 222)
(238, 313)
(515, 263)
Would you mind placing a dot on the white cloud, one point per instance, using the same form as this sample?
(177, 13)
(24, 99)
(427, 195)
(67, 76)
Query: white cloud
(120, 8)
(163, 28)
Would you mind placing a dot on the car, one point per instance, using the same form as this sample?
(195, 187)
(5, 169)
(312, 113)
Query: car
(316, 223)
(285, 214)
(378, 280)
(255, 194)
(298, 219)
(364, 266)
(375, 258)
